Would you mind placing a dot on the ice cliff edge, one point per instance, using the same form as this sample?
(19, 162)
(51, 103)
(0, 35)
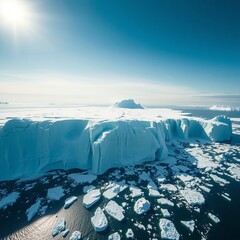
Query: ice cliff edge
(28, 148)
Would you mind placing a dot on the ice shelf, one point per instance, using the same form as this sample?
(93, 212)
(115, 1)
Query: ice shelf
(29, 148)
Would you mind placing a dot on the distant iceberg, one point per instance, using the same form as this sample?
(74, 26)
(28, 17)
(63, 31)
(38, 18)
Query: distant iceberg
(29, 147)
(224, 108)
(128, 104)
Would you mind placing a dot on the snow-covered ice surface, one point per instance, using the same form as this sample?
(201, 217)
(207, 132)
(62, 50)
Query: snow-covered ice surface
(91, 198)
(69, 201)
(183, 187)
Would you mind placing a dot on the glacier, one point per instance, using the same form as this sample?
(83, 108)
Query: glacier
(98, 140)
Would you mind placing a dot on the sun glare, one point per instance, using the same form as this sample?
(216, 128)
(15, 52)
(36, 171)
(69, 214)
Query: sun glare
(15, 13)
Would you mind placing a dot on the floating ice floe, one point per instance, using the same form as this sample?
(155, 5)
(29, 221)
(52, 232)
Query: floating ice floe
(69, 201)
(65, 233)
(226, 197)
(184, 177)
(82, 178)
(116, 188)
(33, 210)
(88, 188)
(91, 198)
(76, 235)
(154, 193)
(168, 230)
(130, 233)
(55, 193)
(190, 225)
(135, 191)
(141, 206)
(59, 226)
(193, 197)
(115, 210)
(205, 189)
(10, 199)
(164, 201)
(99, 220)
(219, 180)
(114, 236)
(213, 218)
(165, 213)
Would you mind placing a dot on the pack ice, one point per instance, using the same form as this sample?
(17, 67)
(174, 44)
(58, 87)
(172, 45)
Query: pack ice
(97, 139)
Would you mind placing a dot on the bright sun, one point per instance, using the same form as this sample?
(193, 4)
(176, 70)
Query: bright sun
(15, 13)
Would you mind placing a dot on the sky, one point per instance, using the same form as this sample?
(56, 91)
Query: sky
(158, 52)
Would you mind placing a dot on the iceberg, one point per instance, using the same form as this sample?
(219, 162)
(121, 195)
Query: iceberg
(168, 230)
(99, 220)
(60, 226)
(214, 218)
(29, 148)
(129, 233)
(69, 201)
(114, 236)
(189, 225)
(76, 235)
(141, 206)
(129, 103)
(193, 197)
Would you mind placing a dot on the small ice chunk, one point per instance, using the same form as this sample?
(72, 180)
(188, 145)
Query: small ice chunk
(193, 197)
(32, 211)
(91, 198)
(114, 236)
(189, 225)
(165, 212)
(141, 205)
(129, 233)
(10, 199)
(65, 233)
(168, 230)
(152, 185)
(69, 201)
(76, 235)
(115, 210)
(205, 189)
(226, 197)
(99, 220)
(213, 218)
(88, 188)
(135, 191)
(184, 177)
(55, 193)
(59, 226)
(164, 201)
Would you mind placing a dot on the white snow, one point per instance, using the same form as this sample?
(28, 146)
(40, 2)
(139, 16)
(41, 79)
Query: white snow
(130, 233)
(114, 236)
(224, 108)
(55, 193)
(213, 218)
(88, 188)
(76, 235)
(97, 138)
(32, 211)
(91, 198)
(69, 201)
(219, 180)
(99, 220)
(169, 187)
(193, 197)
(154, 193)
(189, 225)
(168, 230)
(10, 199)
(115, 210)
(59, 226)
(141, 205)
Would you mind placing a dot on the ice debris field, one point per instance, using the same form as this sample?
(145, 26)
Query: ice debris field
(129, 173)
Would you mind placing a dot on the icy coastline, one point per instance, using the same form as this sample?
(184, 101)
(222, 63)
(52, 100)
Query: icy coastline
(29, 147)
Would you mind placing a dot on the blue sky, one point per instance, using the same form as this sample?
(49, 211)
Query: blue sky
(157, 52)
